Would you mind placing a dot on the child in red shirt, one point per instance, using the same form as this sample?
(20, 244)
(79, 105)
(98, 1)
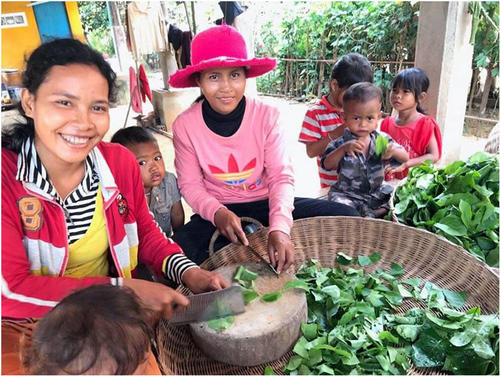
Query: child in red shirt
(418, 133)
(323, 122)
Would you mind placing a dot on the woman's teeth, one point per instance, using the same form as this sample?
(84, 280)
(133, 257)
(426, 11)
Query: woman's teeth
(75, 140)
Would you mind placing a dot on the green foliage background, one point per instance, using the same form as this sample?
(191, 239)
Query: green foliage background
(95, 23)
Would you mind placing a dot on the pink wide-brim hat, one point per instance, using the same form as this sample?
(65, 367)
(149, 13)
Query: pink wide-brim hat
(219, 46)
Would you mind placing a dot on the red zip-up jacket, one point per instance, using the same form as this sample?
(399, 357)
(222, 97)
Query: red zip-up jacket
(35, 241)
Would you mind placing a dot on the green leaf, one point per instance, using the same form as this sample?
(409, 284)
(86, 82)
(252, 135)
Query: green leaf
(298, 284)
(451, 225)
(271, 297)
(383, 361)
(249, 294)
(454, 298)
(324, 369)
(396, 270)
(243, 274)
(441, 322)
(300, 348)
(314, 357)
(269, 371)
(221, 323)
(461, 339)
(408, 332)
(344, 259)
(465, 213)
(482, 348)
(310, 331)
(429, 350)
(332, 291)
(364, 260)
(387, 336)
(294, 363)
(380, 144)
(415, 282)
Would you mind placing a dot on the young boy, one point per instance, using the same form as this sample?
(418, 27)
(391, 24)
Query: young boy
(160, 186)
(101, 329)
(323, 122)
(361, 170)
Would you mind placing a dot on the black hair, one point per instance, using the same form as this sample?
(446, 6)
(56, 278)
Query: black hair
(362, 92)
(101, 329)
(42, 59)
(351, 69)
(413, 79)
(132, 136)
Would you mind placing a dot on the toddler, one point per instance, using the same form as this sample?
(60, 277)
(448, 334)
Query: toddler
(323, 122)
(101, 329)
(411, 127)
(361, 170)
(162, 194)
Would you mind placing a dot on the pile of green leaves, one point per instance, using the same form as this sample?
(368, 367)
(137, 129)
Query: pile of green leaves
(459, 202)
(353, 329)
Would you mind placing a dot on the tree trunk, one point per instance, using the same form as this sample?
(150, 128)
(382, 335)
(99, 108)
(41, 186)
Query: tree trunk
(194, 17)
(472, 88)
(486, 91)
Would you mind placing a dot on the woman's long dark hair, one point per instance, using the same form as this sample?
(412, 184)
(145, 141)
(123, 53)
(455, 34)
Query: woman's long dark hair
(415, 80)
(38, 66)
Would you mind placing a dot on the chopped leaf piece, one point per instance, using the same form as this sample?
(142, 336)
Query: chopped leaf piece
(249, 295)
(271, 297)
(298, 284)
(343, 259)
(269, 371)
(396, 270)
(221, 323)
(456, 299)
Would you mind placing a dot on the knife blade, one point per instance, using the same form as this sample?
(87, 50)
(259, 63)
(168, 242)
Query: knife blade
(211, 305)
(268, 264)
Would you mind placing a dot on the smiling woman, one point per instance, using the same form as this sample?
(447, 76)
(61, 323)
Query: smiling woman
(74, 211)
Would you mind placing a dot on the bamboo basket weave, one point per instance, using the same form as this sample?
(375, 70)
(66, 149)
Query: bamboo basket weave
(421, 253)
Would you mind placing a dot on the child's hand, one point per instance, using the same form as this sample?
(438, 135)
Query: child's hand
(389, 151)
(392, 170)
(354, 146)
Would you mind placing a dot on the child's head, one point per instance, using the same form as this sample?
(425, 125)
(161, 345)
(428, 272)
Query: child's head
(101, 329)
(147, 152)
(348, 70)
(362, 108)
(58, 76)
(409, 89)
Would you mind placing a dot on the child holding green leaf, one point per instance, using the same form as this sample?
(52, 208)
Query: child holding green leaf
(360, 153)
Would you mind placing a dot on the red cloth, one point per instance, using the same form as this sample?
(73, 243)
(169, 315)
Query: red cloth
(145, 90)
(135, 95)
(414, 137)
(319, 120)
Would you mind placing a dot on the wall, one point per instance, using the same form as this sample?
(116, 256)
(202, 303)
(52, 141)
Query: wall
(18, 42)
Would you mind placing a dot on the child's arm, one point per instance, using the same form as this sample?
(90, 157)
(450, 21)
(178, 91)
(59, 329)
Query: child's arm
(432, 154)
(177, 215)
(333, 154)
(316, 148)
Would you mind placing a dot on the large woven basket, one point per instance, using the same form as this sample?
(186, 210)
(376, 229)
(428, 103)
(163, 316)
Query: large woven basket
(421, 253)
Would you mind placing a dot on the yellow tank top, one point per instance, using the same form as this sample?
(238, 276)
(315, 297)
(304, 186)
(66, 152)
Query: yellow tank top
(88, 255)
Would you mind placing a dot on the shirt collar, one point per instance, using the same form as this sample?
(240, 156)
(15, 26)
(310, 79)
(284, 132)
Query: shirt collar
(30, 169)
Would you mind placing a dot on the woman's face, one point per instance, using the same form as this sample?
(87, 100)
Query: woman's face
(223, 87)
(70, 111)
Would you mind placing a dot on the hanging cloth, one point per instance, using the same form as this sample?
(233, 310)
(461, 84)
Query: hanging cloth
(135, 95)
(143, 80)
(145, 27)
(186, 48)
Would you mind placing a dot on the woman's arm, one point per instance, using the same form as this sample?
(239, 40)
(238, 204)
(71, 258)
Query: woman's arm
(177, 215)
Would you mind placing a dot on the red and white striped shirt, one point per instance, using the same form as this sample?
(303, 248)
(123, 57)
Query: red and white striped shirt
(319, 120)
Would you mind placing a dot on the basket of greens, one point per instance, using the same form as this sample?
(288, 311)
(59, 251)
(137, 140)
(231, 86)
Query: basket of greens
(459, 202)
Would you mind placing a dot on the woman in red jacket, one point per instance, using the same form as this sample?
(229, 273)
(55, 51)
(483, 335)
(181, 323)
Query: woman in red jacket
(73, 208)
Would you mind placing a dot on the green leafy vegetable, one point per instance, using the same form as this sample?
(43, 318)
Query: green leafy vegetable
(459, 202)
(221, 323)
(353, 328)
(269, 371)
(271, 297)
(380, 144)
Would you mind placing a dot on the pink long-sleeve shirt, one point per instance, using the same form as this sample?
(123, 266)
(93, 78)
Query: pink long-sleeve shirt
(251, 165)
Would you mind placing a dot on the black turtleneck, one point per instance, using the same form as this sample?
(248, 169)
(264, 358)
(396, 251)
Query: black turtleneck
(223, 125)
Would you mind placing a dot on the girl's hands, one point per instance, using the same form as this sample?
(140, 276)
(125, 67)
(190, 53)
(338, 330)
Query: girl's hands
(157, 297)
(281, 250)
(201, 280)
(229, 225)
(392, 170)
(354, 146)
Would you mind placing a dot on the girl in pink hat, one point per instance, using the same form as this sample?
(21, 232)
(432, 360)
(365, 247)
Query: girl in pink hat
(230, 154)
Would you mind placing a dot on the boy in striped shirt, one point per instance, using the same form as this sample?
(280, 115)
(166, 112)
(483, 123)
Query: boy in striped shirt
(322, 122)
